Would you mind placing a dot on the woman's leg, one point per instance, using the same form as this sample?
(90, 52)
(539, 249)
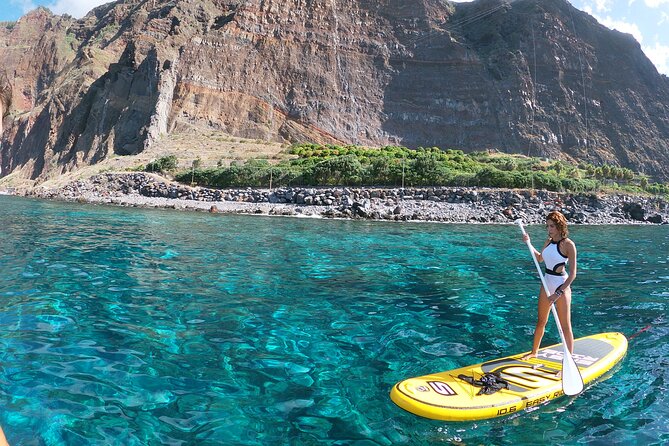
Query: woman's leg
(543, 307)
(563, 307)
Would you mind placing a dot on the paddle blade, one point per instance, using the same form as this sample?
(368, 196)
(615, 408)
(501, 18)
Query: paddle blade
(572, 382)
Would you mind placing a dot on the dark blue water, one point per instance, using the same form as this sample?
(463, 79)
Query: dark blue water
(146, 327)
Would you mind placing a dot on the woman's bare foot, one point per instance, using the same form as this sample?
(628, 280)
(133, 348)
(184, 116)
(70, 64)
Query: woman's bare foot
(528, 356)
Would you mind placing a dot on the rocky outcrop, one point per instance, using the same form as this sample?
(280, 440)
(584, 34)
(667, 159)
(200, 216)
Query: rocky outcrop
(5, 97)
(36, 55)
(528, 76)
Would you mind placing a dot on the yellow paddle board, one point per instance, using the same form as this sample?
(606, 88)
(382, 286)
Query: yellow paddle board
(457, 395)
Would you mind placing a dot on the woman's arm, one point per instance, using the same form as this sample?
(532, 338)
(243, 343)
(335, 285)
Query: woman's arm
(537, 254)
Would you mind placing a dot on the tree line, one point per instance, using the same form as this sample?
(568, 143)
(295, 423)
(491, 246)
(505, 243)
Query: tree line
(396, 166)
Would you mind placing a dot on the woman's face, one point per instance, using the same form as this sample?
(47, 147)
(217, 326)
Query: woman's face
(553, 231)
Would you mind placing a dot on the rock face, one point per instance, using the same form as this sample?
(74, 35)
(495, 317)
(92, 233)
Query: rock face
(5, 97)
(527, 76)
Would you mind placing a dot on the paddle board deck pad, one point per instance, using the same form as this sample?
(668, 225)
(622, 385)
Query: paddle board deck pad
(458, 395)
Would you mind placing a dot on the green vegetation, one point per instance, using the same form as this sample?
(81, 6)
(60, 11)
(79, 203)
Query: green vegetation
(71, 40)
(164, 164)
(393, 166)
(106, 33)
(253, 173)
(9, 25)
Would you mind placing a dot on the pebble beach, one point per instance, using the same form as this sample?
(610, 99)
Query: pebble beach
(430, 204)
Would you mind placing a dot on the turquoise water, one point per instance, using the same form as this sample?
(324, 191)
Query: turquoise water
(146, 327)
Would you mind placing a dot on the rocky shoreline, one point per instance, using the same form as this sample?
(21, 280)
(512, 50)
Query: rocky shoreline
(434, 204)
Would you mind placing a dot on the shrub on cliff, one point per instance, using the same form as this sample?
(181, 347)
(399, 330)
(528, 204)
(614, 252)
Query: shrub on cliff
(658, 188)
(164, 164)
(578, 185)
(335, 171)
(427, 168)
(386, 170)
(490, 176)
(253, 173)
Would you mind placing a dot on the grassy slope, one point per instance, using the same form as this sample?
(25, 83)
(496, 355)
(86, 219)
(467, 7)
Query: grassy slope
(207, 145)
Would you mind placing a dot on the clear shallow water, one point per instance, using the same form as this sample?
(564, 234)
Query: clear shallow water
(127, 326)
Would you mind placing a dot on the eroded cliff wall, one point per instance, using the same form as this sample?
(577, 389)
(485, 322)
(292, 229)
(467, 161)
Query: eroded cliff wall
(528, 76)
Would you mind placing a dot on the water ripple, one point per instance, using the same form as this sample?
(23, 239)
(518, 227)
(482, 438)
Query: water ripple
(144, 327)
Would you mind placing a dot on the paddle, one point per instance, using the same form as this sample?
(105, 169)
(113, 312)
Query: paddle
(572, 382)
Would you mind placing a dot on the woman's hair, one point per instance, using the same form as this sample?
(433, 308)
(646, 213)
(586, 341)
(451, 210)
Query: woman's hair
(560, 222)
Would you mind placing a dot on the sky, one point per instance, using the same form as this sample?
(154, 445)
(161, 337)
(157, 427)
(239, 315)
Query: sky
(646, 20)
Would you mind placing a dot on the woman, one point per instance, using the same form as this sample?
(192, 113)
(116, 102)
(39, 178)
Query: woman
(557, 251)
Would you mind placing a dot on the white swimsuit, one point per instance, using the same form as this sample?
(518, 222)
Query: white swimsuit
(554, 259)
